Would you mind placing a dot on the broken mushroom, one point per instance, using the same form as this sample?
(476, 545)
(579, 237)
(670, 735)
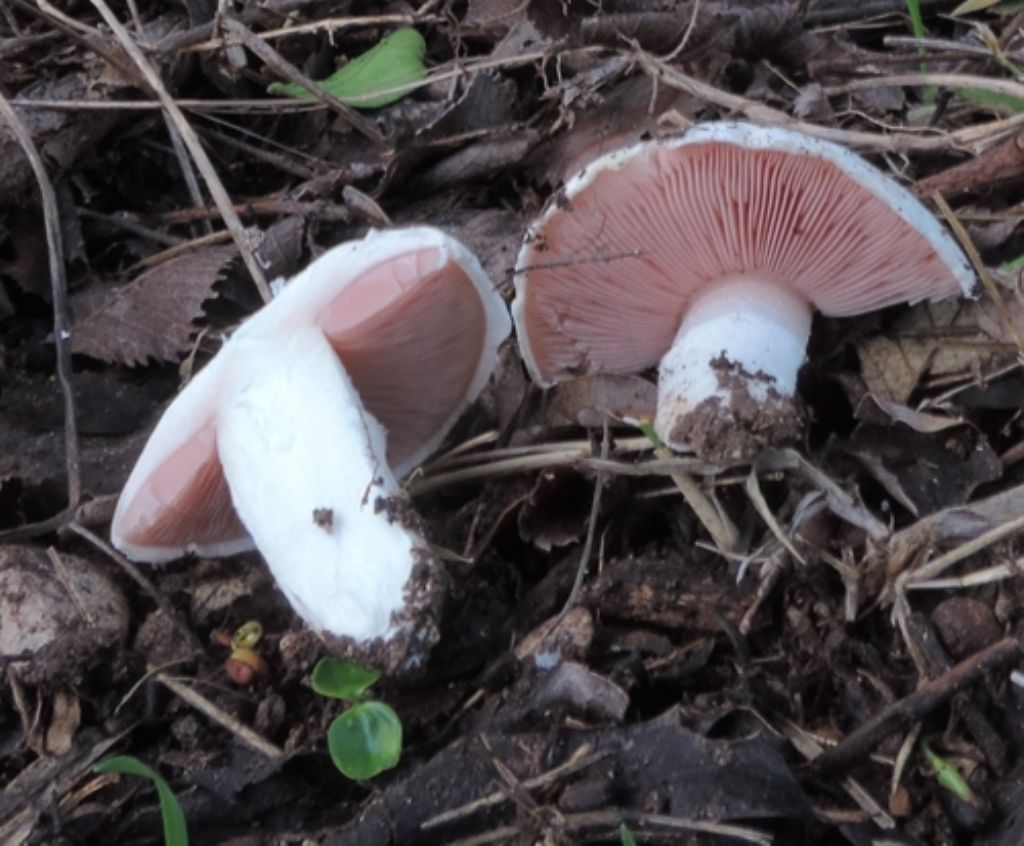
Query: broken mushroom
(707, 254)
(293, 437)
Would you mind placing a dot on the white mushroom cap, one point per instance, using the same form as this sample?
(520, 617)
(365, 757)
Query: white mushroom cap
(295, 433)
(607, 274)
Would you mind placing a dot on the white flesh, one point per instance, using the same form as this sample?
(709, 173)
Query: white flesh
(295, 442)
(760, 328)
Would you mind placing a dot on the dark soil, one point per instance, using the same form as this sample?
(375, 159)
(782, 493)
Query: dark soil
(602, 670)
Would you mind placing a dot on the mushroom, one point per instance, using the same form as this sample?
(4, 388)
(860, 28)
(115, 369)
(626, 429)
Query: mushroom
(707, 254)
(293, 437)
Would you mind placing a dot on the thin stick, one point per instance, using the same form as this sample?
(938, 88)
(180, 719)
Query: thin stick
(195, 147)
(59, 293)
(905, 712)
(979, 267)
(893, 142)
(219, 715)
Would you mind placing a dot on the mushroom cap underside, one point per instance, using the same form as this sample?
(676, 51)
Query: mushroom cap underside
(606, 274)
(416, 323)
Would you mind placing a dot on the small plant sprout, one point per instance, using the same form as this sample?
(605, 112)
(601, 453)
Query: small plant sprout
(245, 664)
(391, 67)
(949, 776)
(366, 739)
(175, 829)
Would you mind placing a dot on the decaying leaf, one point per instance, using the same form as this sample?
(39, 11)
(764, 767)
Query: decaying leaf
(151, 317)
(932, 339)
(926, 472)
(590, 400)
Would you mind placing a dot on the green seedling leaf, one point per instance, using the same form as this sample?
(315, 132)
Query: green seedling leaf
(1013, 265)
(365, 740)
(175, 830)
(247, 635)
(392, 66)
(341, 679)
(626, 836)
(949, 776)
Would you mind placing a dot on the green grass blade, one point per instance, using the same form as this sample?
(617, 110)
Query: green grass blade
(175, 829)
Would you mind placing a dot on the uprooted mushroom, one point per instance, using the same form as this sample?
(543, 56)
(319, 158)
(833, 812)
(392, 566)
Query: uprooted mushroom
(293, 438)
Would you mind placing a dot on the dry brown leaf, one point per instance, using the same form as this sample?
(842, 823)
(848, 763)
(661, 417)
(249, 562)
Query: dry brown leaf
(151, 317)
(933, 339)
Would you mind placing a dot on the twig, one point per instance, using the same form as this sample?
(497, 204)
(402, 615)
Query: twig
(663, 823)
(581, 759)
(588, 544)
(1006, 87)
(220, 716)
(933, 568)
(59, 294)
(902, 714)
(893, 142)
(195, 147)
(979, 267)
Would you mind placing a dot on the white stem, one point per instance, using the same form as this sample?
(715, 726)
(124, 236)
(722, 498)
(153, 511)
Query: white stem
(305, 465)
(744, 333)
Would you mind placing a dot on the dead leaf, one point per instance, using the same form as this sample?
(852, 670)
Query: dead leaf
(926, 472)
(931, 339)
(812, 102)
(151, 317)
(590, 400)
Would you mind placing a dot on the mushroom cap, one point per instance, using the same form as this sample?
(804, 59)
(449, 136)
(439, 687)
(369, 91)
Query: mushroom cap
(416, 323)
(606, 273)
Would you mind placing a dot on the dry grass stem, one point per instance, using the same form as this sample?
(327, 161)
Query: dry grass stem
(195, 147)
(59, 294)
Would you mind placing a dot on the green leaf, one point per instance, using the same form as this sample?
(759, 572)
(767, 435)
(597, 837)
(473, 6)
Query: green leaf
(997, 102)
(341, 679)
(175, 829)
(1013, 265)
(395, 63)
(365, 740)
(949, 776)
(626, 836)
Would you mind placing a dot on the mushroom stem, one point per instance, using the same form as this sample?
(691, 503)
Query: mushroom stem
(305, 464)
(726, 385)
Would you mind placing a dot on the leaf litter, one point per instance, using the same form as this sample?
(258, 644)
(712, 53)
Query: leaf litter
(683, 690)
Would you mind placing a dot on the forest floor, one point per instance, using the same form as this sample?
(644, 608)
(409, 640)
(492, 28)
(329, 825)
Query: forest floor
(606, 672)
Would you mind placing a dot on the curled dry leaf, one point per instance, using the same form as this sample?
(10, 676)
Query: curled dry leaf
(931, 339)
(151, 317)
